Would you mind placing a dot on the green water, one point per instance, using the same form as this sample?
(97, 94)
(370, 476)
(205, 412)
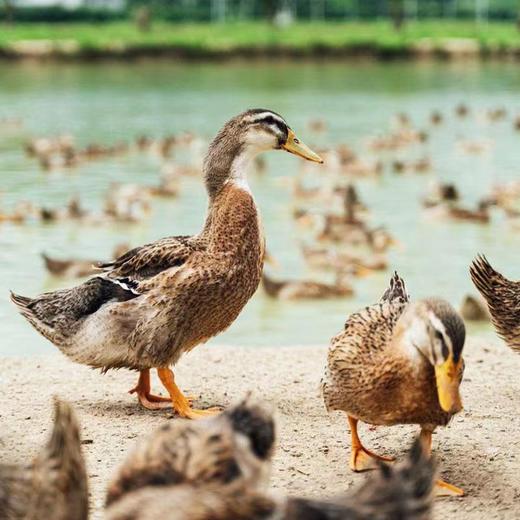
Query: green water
(112, 102)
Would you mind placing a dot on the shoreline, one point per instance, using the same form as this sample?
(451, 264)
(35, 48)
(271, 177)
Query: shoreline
(479, 450)
(38, 52)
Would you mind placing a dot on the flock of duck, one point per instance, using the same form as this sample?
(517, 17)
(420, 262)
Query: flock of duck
(398, 361)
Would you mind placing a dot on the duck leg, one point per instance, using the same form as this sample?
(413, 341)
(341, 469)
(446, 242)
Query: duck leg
(146, 398)
(442, 488)
(179, 401)
(362, 459)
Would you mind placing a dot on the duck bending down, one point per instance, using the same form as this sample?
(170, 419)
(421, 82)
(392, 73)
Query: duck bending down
(160, 300)
(402, 492)
(397, 362)
(54, 486)
(503, 300)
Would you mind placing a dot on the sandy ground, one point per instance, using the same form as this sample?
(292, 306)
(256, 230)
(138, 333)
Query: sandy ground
(479, 451)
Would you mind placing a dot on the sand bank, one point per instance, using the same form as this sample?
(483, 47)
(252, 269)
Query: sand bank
(479, 451)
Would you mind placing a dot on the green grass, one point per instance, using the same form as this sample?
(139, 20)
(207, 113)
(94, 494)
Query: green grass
(378, 37)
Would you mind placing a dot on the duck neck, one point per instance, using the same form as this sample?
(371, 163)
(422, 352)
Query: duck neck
(230, 198)
(227, 162)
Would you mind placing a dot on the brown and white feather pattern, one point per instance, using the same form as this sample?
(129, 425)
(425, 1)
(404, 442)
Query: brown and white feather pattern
(54, 486)
(231, 451)
(366, 335)
(502, 297)
(402, 492)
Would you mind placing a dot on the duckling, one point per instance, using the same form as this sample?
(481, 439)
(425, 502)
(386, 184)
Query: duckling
(502, 297)
(306, 289)
(54, 486)
(402, 492)
(475, 147)
(78, 268)
(126, 202)
(317, 125)
(474, 309)
(160, 300)
(440, 193)
(420, 166)
(462, 110)
(496, 114)
(232, 451)
(480, 215)
(397, 362)
(323, 258)
(302, 192)
(436, 117)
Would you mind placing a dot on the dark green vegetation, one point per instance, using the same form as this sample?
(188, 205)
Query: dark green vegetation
(260, 38)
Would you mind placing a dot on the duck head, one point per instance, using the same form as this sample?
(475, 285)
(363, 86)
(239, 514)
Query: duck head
(242, 138)
(435, 331)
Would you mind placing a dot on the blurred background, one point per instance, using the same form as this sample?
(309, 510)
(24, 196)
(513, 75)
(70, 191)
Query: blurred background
(107, 108)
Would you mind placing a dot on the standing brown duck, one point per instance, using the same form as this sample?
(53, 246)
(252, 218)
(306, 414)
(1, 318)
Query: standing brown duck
(158, 301)
(397, 362)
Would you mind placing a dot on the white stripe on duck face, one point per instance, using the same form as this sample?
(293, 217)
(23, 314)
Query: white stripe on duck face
(256, 118)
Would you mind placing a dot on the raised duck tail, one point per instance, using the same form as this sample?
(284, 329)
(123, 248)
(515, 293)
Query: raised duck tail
(396, 291)
(59, 475)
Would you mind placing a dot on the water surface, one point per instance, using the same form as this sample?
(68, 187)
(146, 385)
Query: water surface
(112, 102)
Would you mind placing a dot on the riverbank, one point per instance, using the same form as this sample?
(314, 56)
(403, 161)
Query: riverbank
(479, 451)
(122, 40)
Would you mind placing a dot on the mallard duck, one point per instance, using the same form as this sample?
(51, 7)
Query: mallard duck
(474, 308)
(232, 450)
(75, 267)
(462, 110)
(403, 492)
(306, 289)
(441, 193)
(54, 486)
(397, 362)
(436, 117)
(419, 166)
(324, 258)
(161, 300)
(503, 300)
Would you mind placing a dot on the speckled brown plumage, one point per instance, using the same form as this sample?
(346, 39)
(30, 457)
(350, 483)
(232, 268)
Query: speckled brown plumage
(503, 300)
(371, 378)
(231, 450)
(54, 485)
(397, 362)
(160, 300)
(403, 492)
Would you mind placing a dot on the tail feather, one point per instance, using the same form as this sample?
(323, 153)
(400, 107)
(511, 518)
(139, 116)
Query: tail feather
(59, 477)
(502, 297)
(25, 307)
(22, 302)
(397, 290)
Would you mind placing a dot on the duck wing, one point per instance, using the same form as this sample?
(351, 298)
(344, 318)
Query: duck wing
(149, 260)
(502, 297)
(367, 333)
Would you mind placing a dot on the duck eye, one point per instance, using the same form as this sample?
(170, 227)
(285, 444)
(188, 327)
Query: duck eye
(439, 335)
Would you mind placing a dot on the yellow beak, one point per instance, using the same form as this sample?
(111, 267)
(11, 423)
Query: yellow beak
(447, 376)
(295, 146)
